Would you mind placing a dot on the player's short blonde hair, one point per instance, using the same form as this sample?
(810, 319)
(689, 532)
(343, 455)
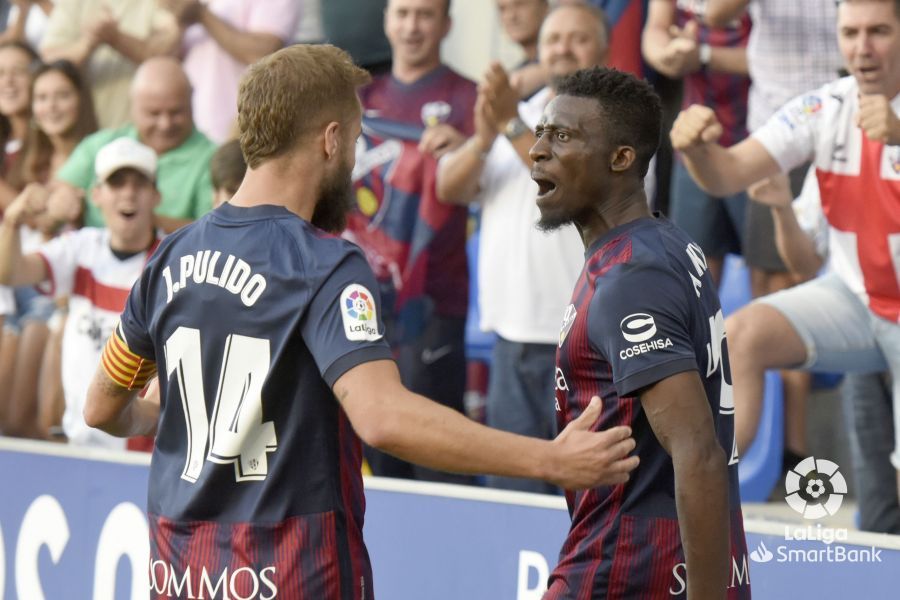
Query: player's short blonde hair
(292, 93)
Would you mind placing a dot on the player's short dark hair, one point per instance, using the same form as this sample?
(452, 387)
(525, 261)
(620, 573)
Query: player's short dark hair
(631, 110)
(227, 167)
(291, 93)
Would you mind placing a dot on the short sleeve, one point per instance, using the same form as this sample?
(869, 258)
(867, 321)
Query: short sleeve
(639, 320)
(342, 327)
(278, 17)
(790, 134)
(59, 256)
(133, 322)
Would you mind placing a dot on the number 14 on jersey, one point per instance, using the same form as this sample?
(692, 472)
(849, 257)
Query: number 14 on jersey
(236, 433)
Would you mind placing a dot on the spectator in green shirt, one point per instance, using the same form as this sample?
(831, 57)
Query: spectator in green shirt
(161, 119)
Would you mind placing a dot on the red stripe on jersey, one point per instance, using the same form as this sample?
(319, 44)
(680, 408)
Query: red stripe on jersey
(354, 503)
(102, 296)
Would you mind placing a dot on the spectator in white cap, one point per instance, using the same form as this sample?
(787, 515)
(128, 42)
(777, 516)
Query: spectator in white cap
(94, 267)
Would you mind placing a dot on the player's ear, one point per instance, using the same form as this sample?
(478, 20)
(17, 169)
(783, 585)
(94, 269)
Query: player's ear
(622, 158)
(332, 139)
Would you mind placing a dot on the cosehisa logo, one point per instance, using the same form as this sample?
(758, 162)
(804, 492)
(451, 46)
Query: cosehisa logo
(638, 327)
(815, 488)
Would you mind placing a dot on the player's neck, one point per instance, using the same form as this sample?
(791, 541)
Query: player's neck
(273, 184)
(618, 209)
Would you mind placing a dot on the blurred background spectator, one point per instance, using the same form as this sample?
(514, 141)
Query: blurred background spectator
(521, 20)
(217, 41)
(161, 119)
(108, 40)
(515, 260)
(226, 168)
(414, 114)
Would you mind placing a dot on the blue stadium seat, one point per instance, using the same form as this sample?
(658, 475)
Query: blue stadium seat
(478, 343)
(734, 291)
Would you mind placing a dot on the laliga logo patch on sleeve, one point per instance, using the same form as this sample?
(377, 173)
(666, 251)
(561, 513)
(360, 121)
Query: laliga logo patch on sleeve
(358, 314)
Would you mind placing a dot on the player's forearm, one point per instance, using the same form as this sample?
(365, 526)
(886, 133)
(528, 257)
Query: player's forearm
(118, 411)
(459, 171)
(701, 497)
(797, 250)
(421, 431)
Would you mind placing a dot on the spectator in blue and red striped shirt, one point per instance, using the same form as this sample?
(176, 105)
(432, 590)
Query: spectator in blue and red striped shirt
(712, 62)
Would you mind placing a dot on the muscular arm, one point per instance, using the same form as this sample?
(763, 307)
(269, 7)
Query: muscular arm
(680, 417)
(720, 12)
(244, 46)
(391, 418)
(117, 410)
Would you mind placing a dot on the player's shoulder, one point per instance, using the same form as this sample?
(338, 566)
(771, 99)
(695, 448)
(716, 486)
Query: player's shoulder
(640, 257)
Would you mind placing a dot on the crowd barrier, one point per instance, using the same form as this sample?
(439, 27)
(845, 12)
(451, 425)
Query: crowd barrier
(72, 526)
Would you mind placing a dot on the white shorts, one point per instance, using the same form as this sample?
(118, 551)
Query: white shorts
(841, 334)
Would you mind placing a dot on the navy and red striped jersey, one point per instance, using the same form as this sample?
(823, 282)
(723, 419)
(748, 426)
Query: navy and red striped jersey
(251, 315)
(414, 243)
(644, 308)
(725, 93)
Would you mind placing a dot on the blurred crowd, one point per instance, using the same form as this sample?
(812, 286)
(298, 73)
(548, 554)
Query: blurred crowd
(118, 124)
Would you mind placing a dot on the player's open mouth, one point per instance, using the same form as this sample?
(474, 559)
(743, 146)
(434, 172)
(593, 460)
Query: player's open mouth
(545, 186)
(127, 214)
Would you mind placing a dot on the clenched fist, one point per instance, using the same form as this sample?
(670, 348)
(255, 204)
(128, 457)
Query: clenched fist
(695, 126)
(877, 119)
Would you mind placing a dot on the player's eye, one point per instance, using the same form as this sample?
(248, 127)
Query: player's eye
(562, 136)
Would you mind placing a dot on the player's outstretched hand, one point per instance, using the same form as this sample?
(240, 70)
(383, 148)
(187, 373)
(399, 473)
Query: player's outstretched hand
(586, 459)
(695, 126)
